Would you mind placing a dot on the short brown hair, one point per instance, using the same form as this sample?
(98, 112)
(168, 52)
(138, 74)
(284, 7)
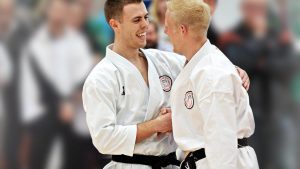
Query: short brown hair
(114, 8)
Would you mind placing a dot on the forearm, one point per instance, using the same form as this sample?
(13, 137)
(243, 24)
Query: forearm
(145, 130)
(161, 124)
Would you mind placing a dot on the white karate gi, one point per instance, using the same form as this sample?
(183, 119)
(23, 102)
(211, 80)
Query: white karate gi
(211, 110)
(116, 99)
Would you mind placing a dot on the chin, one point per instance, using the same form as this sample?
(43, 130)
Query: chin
(142, 45)
(175, 50)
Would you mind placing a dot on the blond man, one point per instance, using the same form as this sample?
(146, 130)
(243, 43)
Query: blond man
(211, 115)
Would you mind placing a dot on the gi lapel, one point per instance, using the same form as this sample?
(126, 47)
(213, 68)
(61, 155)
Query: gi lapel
(156, 94)
(121, 63)
(186, 71)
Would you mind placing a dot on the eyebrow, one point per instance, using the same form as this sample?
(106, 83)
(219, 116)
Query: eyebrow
(138, 17)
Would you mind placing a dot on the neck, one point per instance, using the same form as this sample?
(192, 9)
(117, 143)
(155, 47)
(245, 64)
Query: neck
(192, 46)
(55, 30)
(125, 51)
(162, 20)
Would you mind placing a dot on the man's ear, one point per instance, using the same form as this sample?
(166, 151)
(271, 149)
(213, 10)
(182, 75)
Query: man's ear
(115, 24)
(183, 30)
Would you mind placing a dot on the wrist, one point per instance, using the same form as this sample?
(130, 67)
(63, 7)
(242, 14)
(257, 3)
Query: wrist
(155, 126)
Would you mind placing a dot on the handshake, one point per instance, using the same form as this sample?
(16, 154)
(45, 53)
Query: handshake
(163, 123)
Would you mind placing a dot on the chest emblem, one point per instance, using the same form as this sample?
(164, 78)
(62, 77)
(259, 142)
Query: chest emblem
(166, 83)
(189, 100)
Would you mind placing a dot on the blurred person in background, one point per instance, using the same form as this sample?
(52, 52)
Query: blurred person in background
(79, 18)
(14, 32)
(6, 17)
(158, 10)
(212, 33)
(5, 63)
(54, 65)
(5, 75)
(294, 6)
(76, 15)
(84, 154)
(152, 36)
(265, 52)
(93, 26)
(87, 17)
(286, 108)
(100, 32)
(5, 70)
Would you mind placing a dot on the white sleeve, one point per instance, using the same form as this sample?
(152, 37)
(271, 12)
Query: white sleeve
(175, 62)
(99, 101)
(218, 109)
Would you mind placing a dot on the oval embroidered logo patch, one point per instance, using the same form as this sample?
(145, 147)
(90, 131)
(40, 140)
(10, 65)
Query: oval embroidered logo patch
(166, 83)
(189, 100)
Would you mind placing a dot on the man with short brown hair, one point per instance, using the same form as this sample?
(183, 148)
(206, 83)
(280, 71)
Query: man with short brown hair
(124, 94)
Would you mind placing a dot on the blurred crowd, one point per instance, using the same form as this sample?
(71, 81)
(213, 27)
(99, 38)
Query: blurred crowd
(48, 47)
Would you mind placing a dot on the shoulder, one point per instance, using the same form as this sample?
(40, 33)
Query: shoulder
(168, 58)
(102, 75)
(215, 64)
(218, 76)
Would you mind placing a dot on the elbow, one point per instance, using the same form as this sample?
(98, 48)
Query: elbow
(115, 140)
(102, 149)
(102, 142)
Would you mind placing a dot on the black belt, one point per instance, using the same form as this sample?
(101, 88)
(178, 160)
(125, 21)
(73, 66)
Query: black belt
(193, 157)
(156, 162)
(242, 142)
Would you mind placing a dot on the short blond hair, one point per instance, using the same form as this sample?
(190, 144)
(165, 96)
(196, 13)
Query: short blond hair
(193, 13)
